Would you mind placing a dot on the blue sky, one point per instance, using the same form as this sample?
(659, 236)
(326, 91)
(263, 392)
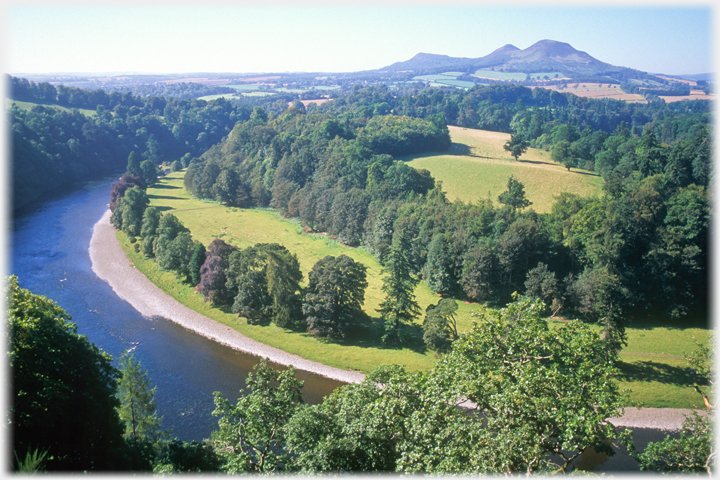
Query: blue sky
(323, 37)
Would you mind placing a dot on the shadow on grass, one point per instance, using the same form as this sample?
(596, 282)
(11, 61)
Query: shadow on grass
(651, 322)
(165, 186)
(589, 174)
(656, 372)
(170, 197)
(536, 162)
(164, 208)
(368, 334)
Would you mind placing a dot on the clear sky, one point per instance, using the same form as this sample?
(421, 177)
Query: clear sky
(325, 37)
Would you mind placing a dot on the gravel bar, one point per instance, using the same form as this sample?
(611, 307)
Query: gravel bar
(110, 263)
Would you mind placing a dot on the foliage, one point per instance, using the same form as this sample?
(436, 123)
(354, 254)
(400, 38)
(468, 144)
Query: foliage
(213, 273)
(128, 215)
(693, 451)
(359, 427)
(334, 296)
(514, 196)
(251, 433)
(32, 463)
(177, 456)
(542, 391)
(283, 282)
(399, 284)
(440, 269)
(137, 406)
(517, 145)
(440, 326)
(542, 284)
(63, 395)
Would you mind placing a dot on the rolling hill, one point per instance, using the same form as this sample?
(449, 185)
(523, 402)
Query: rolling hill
(543, 56)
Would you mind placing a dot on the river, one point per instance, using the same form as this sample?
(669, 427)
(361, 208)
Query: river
(49, 255)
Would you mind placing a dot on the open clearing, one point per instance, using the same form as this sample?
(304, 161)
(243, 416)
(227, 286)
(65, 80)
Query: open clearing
(477, 167)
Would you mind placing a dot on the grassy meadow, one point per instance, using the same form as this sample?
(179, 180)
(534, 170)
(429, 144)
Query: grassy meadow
(29, 105)
(243, 228)
(477, 167)
(652, 365)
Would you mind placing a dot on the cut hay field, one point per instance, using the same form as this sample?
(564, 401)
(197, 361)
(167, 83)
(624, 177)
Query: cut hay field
(597, 90)
(694, 95)
(477, 167)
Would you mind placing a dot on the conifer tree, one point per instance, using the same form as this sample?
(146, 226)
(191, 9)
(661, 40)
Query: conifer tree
(137, 404)
(399, 285)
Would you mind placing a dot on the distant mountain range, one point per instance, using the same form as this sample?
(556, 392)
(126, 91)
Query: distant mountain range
(543, 56)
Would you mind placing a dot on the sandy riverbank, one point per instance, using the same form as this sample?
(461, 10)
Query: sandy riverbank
(110, 263)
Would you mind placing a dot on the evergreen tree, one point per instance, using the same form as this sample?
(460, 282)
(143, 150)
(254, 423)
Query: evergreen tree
(196, 262)
(399, 286)
(133, 166)
(137, 406)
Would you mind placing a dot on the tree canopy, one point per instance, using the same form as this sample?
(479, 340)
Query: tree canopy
(63, 394)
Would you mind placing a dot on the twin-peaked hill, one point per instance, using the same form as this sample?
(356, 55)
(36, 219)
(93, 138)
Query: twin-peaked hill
(543, 56)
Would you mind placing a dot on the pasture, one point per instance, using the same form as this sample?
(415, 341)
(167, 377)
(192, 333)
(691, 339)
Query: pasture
(477, 167)
(492, 74)
(651, 365)
(243, 228)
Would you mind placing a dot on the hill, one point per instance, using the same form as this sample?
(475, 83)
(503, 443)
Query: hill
(543, 56)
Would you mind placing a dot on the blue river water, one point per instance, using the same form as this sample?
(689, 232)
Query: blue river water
(49, 255)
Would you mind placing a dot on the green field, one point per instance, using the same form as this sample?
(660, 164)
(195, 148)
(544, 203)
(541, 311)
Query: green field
(244, 87)
(477, 167)
(501, 75)
(432, 78)
(28, 105)
(652, 364)
(456, 83)
(210, 98)
(542, 75)
(244, 228)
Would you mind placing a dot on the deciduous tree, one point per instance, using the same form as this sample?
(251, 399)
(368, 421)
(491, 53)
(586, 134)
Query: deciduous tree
(251, 434)
(335, 294)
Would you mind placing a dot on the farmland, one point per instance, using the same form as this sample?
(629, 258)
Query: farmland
(477, 167)
(598, 90)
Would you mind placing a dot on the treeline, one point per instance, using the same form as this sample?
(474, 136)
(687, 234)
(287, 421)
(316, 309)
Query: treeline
(495, 107)
(641, 248)
(71, 410)
(52, 148)
(183, 90)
